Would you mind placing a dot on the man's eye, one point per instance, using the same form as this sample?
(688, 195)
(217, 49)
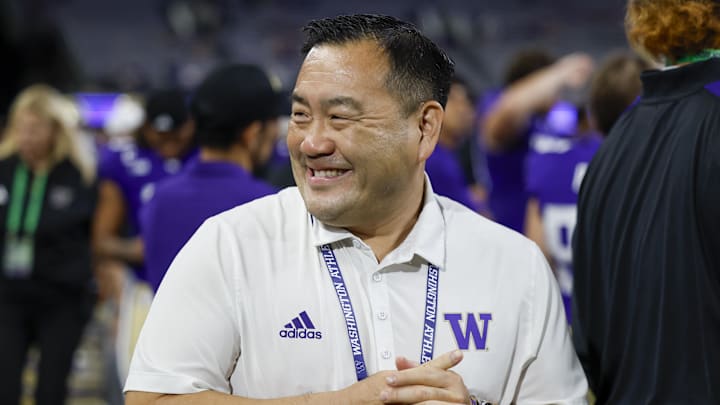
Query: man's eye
(338, 117)
(300, 116)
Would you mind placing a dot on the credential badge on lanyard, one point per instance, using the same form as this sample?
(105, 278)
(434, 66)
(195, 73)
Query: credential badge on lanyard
(431, 299)
(20, 247)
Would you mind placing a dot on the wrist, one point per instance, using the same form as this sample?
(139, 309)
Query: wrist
(347, 395)
(328, 397)
(475, 401)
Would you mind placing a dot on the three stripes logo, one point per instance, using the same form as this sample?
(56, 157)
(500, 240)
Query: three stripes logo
(301, 327)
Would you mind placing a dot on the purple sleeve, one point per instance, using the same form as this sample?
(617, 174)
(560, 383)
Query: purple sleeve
(109, 165)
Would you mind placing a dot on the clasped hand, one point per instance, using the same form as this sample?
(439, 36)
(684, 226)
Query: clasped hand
(432, 383)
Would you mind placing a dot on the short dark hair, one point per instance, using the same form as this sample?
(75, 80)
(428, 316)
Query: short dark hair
(419, 69)
(614, 88)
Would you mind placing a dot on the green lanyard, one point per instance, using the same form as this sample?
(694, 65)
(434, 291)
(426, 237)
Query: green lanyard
(704, 55)
(34, 206)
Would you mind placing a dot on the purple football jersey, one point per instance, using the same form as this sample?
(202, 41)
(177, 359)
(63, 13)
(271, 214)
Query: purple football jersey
(508, 196)
(554, 170)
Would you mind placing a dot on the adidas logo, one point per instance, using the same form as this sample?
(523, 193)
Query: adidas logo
(301, 327)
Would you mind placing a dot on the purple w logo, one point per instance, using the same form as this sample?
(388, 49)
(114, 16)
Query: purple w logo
(471, 329)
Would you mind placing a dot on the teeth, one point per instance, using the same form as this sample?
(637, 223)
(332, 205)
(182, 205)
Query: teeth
(327, 173)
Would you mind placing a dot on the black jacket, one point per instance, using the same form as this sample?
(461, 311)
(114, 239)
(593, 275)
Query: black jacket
(647, 247)
(62, 239)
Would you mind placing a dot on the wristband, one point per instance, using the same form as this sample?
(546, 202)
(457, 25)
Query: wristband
(475, 401)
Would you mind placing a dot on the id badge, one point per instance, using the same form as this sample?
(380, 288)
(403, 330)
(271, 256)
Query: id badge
(18, 261)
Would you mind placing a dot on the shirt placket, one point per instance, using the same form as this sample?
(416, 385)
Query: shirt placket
(382, 319)
(376, 284)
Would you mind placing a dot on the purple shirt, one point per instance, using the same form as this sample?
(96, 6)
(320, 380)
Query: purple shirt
(554, 172)
(447, 176)
(507, 198)
(181, 204)
(135, 171)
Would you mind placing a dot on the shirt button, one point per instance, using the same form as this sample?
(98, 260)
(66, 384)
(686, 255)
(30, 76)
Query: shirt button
(377, 277)
(382, 315)
(386, 354)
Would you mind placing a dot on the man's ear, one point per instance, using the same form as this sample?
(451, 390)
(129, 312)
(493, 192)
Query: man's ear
(429, 123)
(250, 135)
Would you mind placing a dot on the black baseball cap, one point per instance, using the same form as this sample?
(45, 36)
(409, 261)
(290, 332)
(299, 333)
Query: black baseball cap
(166, 110)
(235, 95)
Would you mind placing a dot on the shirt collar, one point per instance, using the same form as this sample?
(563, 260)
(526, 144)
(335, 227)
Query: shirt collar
(326, 234)
(426, 239)
(683, 80)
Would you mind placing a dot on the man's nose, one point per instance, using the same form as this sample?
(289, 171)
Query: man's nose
(316, 141)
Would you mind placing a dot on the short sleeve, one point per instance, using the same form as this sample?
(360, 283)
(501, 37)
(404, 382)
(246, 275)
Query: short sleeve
(190, 340)
(554, 374)
(109, 164)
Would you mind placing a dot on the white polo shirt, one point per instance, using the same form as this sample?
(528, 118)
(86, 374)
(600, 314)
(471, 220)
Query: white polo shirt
(249, 307)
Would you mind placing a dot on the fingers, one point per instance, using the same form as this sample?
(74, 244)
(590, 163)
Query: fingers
(427, 376)
(415, 394)
(432, 381)
(403, 363)
(445, 360)
(433, 373)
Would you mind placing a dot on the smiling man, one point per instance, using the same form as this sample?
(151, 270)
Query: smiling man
(360, 285)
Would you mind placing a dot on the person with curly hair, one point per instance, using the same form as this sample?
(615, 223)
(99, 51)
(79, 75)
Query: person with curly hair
(646, 315)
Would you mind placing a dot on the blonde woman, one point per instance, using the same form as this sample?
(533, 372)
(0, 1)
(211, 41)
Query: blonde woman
(47, 199)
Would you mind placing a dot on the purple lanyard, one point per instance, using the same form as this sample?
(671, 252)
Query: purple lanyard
(431, 299)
